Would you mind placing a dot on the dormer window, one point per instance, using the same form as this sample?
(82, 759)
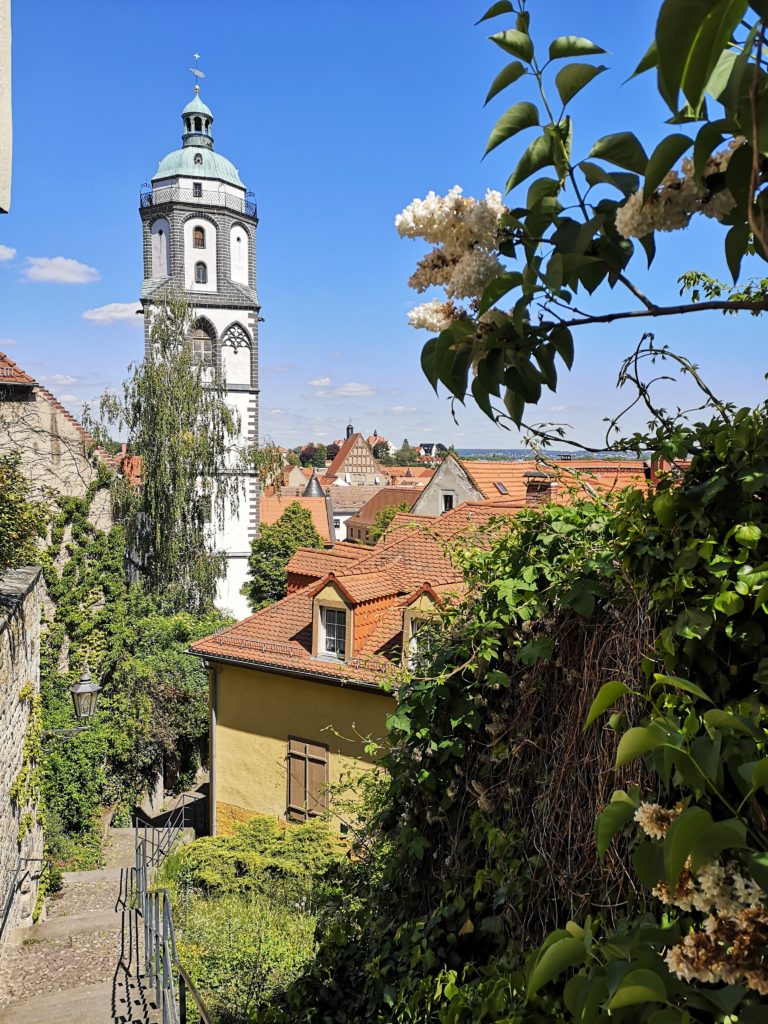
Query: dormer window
(333, 638)
(197, 189)
(198, 238)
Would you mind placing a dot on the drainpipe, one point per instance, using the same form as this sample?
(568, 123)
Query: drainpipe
(212, 704)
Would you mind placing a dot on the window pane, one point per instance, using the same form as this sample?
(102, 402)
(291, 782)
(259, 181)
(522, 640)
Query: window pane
(335, 630)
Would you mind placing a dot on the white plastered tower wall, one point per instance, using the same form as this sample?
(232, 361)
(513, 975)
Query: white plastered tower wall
(199, 233)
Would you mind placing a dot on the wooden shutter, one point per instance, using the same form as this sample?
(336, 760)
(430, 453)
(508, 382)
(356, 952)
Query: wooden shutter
(307, 779)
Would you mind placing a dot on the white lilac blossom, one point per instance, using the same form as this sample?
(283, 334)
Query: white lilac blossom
(433, 315)
(465, 235)
(678, 197)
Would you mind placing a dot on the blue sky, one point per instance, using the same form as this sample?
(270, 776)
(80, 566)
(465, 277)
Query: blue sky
(337, 115)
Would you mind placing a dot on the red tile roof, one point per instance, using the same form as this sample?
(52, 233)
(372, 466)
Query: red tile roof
(272, 507)
(12, 374)
(602, 474)
(384, 498)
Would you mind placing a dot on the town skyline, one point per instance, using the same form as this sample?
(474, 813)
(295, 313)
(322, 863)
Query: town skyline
(336, 344)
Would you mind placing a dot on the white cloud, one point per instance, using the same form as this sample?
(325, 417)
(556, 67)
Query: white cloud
(59, 378)
(320, 382)
(7, 342)
(114, 311)
(68, 398)
(6, 253)
(59, 270)
(353, 390)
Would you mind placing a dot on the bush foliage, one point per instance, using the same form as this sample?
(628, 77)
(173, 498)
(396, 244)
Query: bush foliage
(483, 891)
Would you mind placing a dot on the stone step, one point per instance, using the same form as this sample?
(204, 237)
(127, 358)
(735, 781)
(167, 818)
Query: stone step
(72, 924)
(110, 1002)
(88, 891)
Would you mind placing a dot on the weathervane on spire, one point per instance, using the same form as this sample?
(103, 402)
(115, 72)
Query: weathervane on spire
(197, 73)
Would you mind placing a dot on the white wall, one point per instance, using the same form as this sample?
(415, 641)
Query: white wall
(160, 251)
(205, 255)
(236, 364)
(238, 248)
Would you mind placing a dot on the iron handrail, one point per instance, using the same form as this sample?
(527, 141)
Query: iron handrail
(172, 193)
(12, 889)
(161, 961)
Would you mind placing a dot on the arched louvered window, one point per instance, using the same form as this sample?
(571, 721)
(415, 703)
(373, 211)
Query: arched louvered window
(202, 343)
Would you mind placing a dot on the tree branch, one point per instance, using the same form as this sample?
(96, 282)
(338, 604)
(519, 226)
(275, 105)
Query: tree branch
(759, 306)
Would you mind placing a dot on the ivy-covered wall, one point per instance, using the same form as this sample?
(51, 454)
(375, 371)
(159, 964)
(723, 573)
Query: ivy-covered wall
(21, 824)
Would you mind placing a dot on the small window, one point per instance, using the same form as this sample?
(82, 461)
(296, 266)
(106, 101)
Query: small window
(448, 500)
(201, 273)
(197, 189)
(336, 524)
(198, 238)
(198, 124)
(358, 535)
(420, 644)
(334, 627)
(307, 779)
(198, 158)
(500, 487)
(202, 346)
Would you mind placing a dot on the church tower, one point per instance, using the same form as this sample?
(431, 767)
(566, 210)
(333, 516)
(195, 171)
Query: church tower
(199, 229)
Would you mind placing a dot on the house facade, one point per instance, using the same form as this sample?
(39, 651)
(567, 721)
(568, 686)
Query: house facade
(300, 688)
(355, 464)
(58, 456)
(199, 238)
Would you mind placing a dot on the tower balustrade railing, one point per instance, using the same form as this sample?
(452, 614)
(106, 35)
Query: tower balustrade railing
(203, 197)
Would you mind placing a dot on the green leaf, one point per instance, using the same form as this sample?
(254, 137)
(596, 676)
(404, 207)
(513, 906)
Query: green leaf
(505, 77)
(537, 155)
(663, 158)
(760, 774)
(562, 340)
(572, 46)
(622, 149)
(729, 602)
(648, 862)
(691, 36)
(736, 242)
(665, 509)
(573, 77)
(606, 697)
(627, 184)
(758, 868)
(553, 961)
(519, 44)
(639, 986)
(675, 683)
(724, 720)
(748, 534)
(683, 833)
(635, 742)
(497, 288)
(719, 836)
(429, 362)
(519, 117)
(502, 7)
(536, 650)
(649, 60)
(611, 820)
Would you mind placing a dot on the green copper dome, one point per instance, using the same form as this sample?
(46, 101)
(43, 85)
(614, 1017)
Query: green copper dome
(197, 159)
(181, 164)
(196, 106)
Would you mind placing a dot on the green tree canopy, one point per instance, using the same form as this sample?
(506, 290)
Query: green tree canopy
(271, 551)
(174, 412)
(384, 518)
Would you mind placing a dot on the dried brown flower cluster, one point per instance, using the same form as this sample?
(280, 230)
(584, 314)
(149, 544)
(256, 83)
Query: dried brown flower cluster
(732, 945)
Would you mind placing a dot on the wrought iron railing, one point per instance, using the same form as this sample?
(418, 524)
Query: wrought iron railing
(206, 197)
(176, 997)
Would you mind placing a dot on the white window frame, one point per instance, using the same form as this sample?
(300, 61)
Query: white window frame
(443, 496)
(333, 633)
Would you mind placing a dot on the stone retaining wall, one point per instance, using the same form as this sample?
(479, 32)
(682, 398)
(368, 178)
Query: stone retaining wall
(21, 596)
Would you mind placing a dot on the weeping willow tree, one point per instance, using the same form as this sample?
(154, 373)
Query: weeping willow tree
(173, 412)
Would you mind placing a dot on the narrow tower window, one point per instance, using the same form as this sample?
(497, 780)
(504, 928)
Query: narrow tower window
(198, 124)
(197, 189)
(201, 273)
(198, 238)
(202, 345)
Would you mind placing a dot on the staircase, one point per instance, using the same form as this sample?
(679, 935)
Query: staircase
(80, 965)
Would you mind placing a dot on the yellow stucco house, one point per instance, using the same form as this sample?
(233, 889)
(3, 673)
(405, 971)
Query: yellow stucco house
(297, 689)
